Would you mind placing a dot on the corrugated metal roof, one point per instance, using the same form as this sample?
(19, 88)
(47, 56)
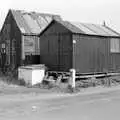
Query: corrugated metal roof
(32, 22)
(89, 29)
(71, 27)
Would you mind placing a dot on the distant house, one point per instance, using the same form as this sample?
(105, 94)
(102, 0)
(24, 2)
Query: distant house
(19, 41)
(86, 47)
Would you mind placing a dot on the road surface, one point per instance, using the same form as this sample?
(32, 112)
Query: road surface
(102, 106)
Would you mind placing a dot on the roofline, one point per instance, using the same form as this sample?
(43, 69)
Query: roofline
(80, 33)
(112, 30)
(49, 26)
(27, 11)
(4, 21)
(97, 35)
(10, 12)
(46, 28)
(52, 15)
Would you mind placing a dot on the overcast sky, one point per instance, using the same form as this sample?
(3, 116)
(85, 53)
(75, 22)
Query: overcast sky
(88, 11)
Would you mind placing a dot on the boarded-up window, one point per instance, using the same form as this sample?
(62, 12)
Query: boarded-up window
(3, 45)
(31, 45)
(115, 45)
(3, 48)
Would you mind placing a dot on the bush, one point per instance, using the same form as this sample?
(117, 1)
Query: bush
(70, 89)
(21, 82)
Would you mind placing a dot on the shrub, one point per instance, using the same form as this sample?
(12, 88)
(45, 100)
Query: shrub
(21, 82)
(70, 89)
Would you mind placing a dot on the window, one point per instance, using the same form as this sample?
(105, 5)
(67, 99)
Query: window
(115, 45)
(3, 45)
(29, 44)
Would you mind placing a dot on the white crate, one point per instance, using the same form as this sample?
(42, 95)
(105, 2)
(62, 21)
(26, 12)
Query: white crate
(31, 74)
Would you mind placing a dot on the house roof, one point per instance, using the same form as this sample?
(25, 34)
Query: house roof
(32, 22)
(89, 29)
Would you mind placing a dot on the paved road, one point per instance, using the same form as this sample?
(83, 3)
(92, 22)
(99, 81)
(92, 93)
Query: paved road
(104, 106)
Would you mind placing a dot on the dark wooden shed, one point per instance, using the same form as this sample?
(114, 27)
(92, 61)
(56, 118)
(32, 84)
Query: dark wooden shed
(88, 48)
(19, 41)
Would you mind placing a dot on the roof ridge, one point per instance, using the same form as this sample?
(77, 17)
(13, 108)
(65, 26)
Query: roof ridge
(85, 23)
(49, 14)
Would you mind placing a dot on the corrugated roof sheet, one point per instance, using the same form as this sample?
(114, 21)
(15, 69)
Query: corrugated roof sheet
(71, 27)
(32, 22)
(89, 29)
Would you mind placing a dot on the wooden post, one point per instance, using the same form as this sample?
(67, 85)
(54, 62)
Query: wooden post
(72, 78)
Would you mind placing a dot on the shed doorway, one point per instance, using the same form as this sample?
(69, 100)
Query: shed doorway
(32, 59)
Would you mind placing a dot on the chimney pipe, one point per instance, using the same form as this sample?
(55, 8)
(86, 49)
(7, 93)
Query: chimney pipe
(104, 23)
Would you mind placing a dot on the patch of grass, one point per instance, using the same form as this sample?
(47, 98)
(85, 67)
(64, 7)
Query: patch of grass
(52, 86)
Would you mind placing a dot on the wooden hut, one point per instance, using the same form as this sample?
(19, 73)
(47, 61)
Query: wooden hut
(88, 48)
(19, 41)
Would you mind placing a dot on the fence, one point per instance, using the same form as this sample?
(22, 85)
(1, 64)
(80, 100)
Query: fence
(87, 80)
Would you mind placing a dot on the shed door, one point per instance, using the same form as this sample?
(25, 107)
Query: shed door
(64, 53)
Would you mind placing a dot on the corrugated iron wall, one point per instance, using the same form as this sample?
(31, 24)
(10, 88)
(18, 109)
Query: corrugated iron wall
(56, 48)
(87, 54)
(92, 54)
(15, 43)
(12, 38)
